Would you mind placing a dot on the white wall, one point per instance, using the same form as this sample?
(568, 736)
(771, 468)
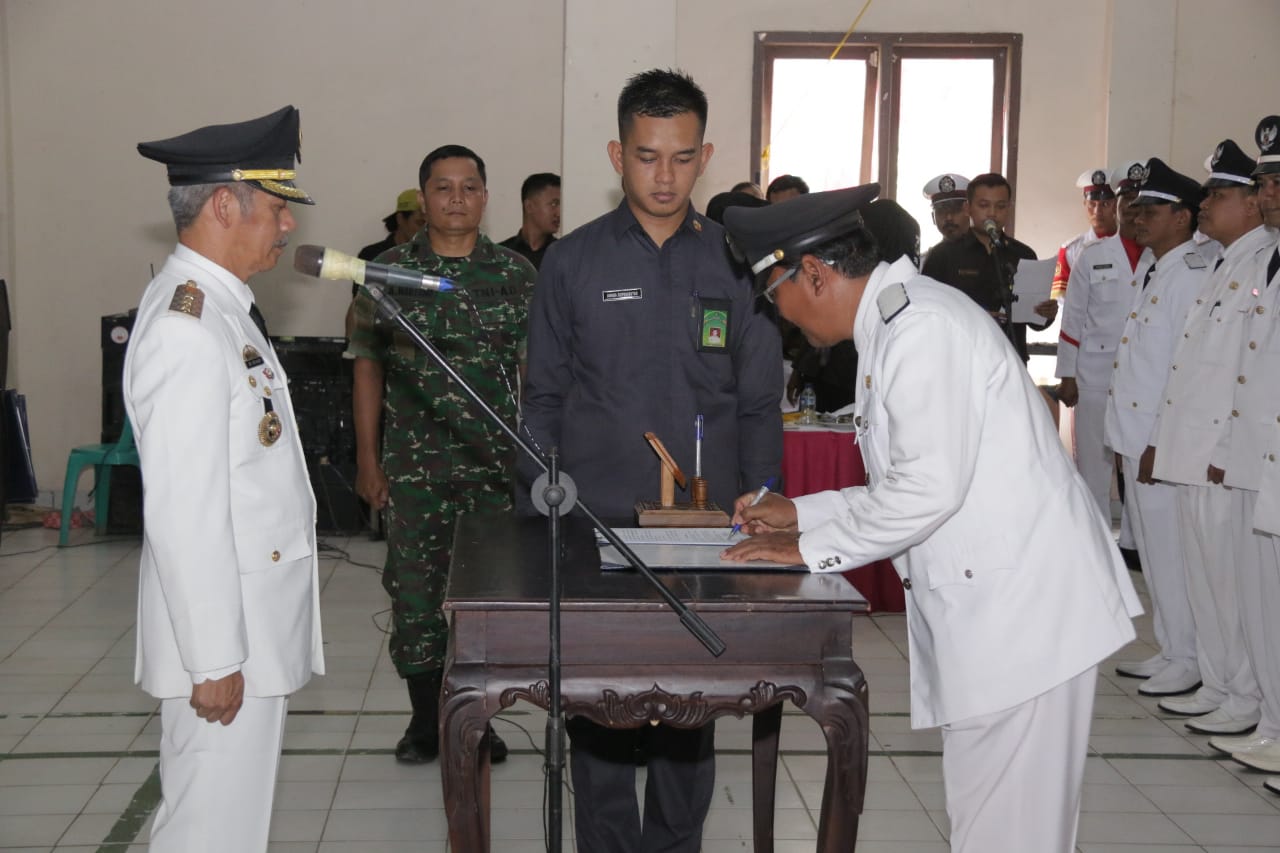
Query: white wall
(596, 69)
(378, 85)
(6, 199)
(529, 84)
(1226, 68)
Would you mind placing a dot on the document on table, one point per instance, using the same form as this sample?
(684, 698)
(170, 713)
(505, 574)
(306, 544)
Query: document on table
(1031, 285)
(675, 536)
(682, 549)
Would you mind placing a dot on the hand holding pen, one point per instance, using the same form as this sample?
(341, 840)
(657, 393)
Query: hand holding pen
(763, 511)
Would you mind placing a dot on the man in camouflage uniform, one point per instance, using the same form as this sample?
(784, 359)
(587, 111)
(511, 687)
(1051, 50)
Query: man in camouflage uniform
(440, 456)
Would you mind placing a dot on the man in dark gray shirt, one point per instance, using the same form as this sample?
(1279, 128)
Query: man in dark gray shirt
(639, 323)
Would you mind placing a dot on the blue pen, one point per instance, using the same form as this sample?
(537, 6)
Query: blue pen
(697, 434)
(764, 490)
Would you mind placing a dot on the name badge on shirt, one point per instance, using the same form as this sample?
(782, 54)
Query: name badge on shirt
(713, 329)
(622, 295)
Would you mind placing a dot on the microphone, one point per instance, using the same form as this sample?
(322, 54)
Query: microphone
(320, 262)
(988, 225)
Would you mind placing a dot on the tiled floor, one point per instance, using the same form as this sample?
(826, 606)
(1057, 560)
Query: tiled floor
(78, 741)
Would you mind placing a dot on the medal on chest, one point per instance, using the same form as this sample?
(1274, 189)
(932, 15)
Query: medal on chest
(270, 427)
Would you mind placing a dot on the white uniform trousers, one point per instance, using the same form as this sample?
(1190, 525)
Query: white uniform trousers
(1013, 778)
(1205, 525)
(1125, 539)
(1258, 571)
(1153, 514)
(1094, 459)
(217, 782)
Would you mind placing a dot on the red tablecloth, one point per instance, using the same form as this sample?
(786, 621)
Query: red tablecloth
(818, 460)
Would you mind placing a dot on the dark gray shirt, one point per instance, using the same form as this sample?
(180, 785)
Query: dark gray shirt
(617, 347)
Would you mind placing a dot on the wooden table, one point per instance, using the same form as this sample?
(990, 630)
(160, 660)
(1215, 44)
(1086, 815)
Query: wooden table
(628, 661)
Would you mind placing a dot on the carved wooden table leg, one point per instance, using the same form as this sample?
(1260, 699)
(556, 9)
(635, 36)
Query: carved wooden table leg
(464, 761)
(842, 714)
(765, 726)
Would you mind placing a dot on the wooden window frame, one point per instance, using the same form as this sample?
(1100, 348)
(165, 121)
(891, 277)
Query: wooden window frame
(880, 127)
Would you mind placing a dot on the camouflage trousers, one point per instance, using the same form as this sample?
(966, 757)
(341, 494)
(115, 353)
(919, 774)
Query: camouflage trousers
(420, 521)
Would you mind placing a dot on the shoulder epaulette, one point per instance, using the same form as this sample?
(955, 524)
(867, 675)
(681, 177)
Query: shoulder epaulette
(188, 298)
(1194, 261)
(891, 301)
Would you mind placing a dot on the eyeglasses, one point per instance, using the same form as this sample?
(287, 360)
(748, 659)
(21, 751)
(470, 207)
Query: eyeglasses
(768, 291)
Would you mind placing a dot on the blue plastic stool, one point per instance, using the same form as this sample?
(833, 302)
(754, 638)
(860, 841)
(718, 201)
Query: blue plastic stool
(101, 457)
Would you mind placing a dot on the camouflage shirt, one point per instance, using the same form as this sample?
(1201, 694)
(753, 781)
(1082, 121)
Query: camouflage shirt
(433, 431)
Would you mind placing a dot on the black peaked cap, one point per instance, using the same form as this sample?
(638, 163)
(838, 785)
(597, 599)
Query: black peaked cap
(260, 151)
(781, 233)
(1163, 185)
(1229, 167)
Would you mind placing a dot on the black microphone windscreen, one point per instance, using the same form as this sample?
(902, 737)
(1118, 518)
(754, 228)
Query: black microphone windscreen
(308, 260)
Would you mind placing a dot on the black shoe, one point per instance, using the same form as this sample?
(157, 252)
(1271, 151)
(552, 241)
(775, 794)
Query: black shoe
(497, 748)
(1131, 559)
(421, 741)
(416, 750)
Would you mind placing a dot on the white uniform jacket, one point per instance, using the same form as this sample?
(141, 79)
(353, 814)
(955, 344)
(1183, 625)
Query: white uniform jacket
(1069, 253)
(1100, 292)
(1209, 248)
(1014, 583)
(1255, 406)
(229, 574)
(1202, 379)
(1151, 333)
(1078, 244)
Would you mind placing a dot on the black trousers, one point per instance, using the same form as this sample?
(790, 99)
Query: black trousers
(681, 780)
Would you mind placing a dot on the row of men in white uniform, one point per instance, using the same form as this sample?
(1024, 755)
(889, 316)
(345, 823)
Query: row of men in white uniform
(1176, 360)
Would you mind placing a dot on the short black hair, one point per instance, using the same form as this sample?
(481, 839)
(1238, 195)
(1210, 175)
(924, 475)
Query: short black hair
(392, 220)
(660, 94)
(990, 179)
(853, 255)
(444, 152)
(536, 183)
(783, 183)
(1191, 208)
(744, 186)
(897, 233)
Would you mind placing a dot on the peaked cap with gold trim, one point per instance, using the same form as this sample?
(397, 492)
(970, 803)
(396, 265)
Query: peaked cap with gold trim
(260, 151)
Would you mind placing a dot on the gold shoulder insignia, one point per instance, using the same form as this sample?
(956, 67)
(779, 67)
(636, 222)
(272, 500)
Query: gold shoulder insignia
(187, 299)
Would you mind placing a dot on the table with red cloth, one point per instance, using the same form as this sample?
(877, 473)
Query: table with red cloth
(816, 460)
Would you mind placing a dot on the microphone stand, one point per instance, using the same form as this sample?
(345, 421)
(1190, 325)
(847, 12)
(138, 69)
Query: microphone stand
(1007, 296)
(554, 498)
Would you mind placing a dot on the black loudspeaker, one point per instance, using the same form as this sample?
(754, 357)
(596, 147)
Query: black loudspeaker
(124, 512)
(320, 388)
(5, 325)
(18, 475)
(4, 383)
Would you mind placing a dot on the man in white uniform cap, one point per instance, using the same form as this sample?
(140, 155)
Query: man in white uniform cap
(1015, 588)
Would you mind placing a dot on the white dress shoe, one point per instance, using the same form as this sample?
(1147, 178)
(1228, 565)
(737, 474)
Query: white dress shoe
(1141, 668)
(1244, 743)
(1219, 722)
(1265, 758)
(1272, 784)
(1176, 677)
(1188, 706)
